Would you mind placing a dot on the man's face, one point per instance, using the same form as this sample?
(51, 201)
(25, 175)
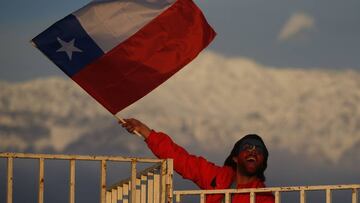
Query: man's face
(250, 160)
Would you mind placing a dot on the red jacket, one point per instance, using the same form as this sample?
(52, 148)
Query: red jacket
(202, 172)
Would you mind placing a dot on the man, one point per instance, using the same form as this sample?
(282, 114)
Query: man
(244, 168)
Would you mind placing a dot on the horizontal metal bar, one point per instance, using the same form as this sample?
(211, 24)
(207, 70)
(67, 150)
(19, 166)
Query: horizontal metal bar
(269, 189)
(78, 157)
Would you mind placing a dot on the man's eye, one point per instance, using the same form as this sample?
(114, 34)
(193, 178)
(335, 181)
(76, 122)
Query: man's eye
(246, 146)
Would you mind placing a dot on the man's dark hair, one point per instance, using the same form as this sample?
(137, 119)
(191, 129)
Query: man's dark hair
(234, 152)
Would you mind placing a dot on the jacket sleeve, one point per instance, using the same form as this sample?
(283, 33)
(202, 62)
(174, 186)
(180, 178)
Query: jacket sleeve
(191, 167)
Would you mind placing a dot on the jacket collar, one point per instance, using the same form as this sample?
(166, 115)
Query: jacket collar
(253, 184)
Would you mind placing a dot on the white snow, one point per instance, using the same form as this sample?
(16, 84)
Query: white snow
(209, 104)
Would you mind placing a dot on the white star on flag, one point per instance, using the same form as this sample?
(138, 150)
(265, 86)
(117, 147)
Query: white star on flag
(68, 47)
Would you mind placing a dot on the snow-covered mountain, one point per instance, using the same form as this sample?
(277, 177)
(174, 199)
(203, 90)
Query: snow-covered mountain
(208, 105)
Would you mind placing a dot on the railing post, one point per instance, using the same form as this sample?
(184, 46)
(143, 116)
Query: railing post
(10, 179)
(178, 198)
(252, 197)
(138, 190)
(108, 197)
(354, 196)
(103, 182)
(143, 180)
(227, 197)
(328, 196)
(72, 181)
(150, 189)
(302, 196)
(120, 193)
(133, 181)
(202, 198)
(156, 188)
(114, 195)
(163, 182)
(126, 193)
(169, 180)
(41, 180)
(277, 197)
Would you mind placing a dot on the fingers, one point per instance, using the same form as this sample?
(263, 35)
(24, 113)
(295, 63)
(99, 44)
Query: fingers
(130, 124)
(135, 127)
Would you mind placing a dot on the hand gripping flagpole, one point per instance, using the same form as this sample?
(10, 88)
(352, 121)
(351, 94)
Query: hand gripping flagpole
(123, 121)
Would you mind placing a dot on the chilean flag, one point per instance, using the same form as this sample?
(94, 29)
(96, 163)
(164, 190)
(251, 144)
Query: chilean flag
(120, 50)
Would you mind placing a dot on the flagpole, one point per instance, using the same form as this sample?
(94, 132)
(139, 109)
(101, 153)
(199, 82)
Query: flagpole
(123, 121)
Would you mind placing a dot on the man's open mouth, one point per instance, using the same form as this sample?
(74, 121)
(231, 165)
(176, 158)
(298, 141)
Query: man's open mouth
(251, 159)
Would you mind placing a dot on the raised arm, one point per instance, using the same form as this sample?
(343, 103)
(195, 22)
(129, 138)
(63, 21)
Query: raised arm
(191, 167)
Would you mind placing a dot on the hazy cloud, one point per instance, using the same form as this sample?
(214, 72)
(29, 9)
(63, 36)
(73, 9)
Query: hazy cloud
(314, 112)
(296, 24)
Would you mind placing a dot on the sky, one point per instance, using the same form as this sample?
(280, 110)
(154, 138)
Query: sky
(277, 34)
(307, 34)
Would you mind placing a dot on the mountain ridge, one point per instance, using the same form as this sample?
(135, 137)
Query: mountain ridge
(207, 105)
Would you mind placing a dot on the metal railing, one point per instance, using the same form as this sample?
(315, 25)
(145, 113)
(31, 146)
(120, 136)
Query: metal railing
(276, 190)
(161, 172)
(153, 184)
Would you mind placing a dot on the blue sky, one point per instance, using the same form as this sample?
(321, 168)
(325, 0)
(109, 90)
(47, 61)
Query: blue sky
(325, 33)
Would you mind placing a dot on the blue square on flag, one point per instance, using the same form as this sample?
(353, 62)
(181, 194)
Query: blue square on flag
(68, 45)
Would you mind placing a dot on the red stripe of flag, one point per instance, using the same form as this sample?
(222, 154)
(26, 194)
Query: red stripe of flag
(145, 60)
